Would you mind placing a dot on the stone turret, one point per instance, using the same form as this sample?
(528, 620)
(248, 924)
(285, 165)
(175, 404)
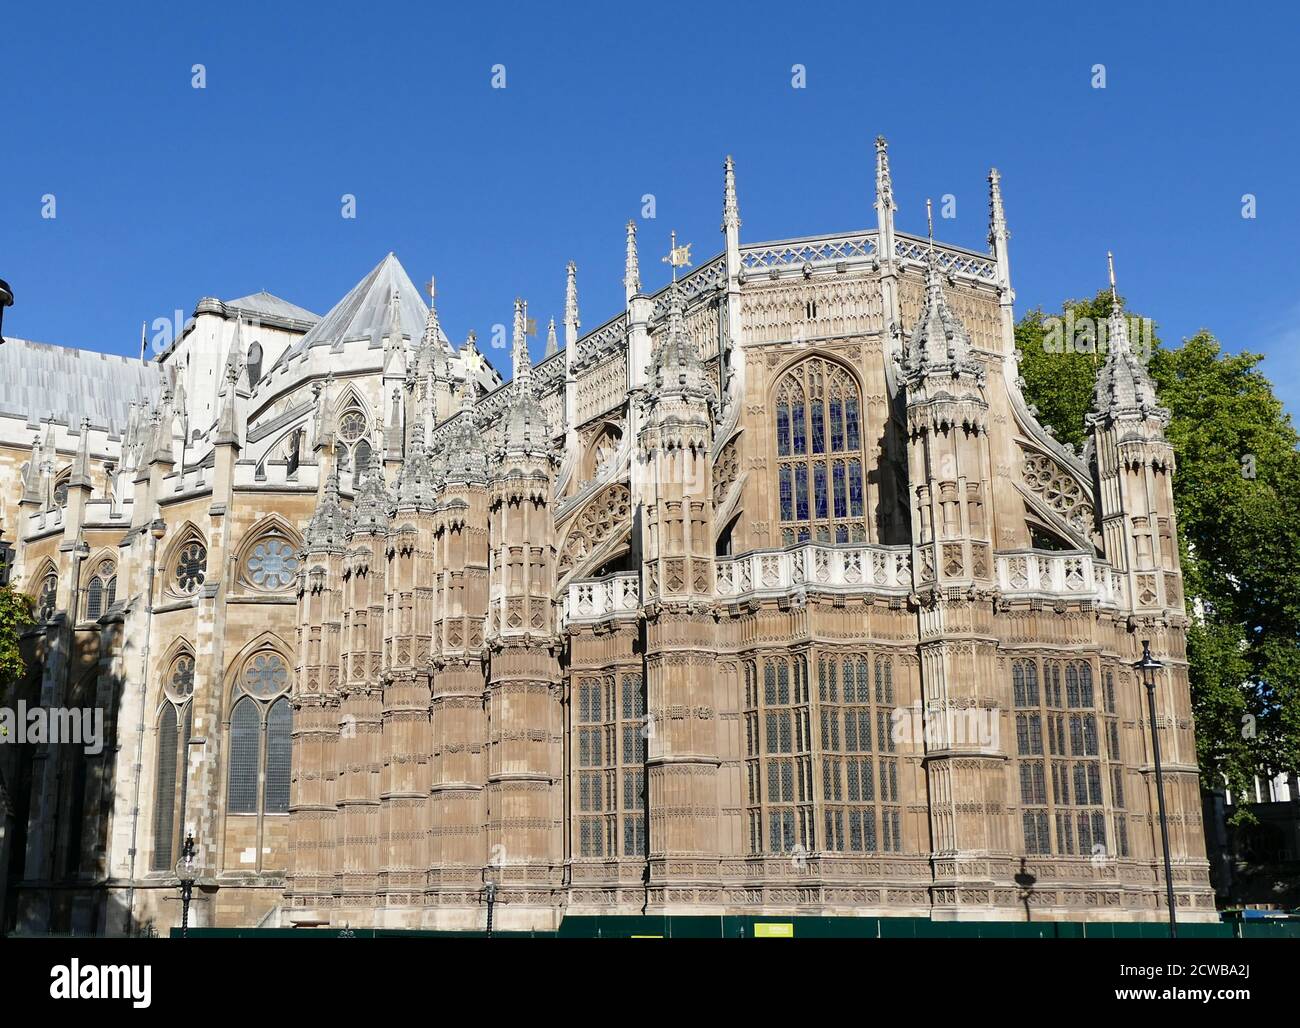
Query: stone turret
(1133, 478)
(525, 714)
(677, 546)
(950, 475)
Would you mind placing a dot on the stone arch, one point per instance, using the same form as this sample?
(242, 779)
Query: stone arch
(185, 568)
(819, 449)
(599, 531)
(265, 569)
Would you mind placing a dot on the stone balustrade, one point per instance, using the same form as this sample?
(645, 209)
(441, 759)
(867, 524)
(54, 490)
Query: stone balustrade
(1073, 575)
(595, 598)
(830, 568)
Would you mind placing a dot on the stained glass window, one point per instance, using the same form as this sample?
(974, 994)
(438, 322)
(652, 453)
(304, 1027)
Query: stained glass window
(191, 566)
(272, 563)
(817, 412)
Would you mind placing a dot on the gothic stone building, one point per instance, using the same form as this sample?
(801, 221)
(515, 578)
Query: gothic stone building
(767, 594)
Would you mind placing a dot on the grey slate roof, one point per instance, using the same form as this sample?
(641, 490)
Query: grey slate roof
(364, 312)
(41, 380)
(269, 304)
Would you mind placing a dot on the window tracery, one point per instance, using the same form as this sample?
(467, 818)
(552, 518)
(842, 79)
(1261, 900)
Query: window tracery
(190, 567)
(261, 724)
(1058, 757)
(820, 471)
(272, 563)
(101, 591)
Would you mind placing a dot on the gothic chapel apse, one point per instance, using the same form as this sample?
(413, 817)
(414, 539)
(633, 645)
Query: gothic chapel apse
(767, 594)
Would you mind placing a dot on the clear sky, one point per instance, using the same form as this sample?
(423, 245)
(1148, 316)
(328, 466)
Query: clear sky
(165, 193)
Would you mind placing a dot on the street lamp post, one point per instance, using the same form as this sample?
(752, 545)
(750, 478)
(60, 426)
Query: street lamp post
(1148, 666)
(491, 891)
(186, 873)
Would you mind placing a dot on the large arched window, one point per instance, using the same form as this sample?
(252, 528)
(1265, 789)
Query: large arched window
(261, 724)
(820, 469)
(101, 590)
(175, 725)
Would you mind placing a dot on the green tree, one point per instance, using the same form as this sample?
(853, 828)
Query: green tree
(1237, 496)
(15, 615)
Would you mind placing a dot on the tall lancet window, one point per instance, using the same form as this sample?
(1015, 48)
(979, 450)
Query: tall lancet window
(174, 727)
(820, 470)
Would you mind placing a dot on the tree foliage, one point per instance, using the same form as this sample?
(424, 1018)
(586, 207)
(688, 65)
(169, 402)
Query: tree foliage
(15, 616)
(1237, 498)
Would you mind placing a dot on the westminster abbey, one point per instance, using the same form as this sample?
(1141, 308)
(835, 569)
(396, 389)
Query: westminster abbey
(767, 593)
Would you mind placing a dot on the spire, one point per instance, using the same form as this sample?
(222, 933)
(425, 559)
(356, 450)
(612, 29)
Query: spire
(730, 206)
(235, 359)
(328, 527)
(161, 443)
(552, 344)
(939, 342)
(81, 466)
(226, 430)
(997, 213)
(415, 482)
(370, 504)
(1124, 390)
(143, 333)
(466, 455)
(571, 298)
(676, 367)
(323, 426)
(34, 473)
(631, 267)
(884, 181)
(885, 205)
(431, 342)
(525, 423)
(521, 363)
(394, 337)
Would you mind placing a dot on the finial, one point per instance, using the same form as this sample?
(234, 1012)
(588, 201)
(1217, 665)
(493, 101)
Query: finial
(632, 266)
(552, 344)
(1110, 265)
(997, 213)
(143, 333)
(884, 182)
(730, 206)
(929, 222)
(571, 296)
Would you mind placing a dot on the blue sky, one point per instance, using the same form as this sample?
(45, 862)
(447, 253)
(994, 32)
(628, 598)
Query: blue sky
(166, 193)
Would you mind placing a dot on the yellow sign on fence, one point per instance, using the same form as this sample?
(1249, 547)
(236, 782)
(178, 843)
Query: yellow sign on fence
(774, 930)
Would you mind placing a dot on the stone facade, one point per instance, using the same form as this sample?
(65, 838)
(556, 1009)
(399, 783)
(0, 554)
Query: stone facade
(769, 594)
